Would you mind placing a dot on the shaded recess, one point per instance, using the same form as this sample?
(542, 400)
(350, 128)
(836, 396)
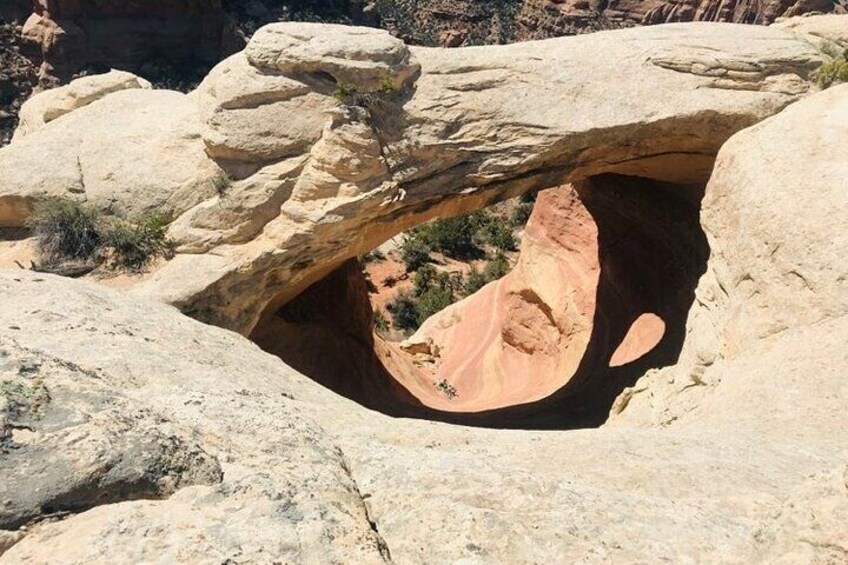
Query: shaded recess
(651, 250)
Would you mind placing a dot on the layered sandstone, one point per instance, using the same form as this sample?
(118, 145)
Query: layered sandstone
(731, 454)
(470, 127)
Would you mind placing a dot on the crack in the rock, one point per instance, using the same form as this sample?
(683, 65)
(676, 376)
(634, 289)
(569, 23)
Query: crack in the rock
(382, 546)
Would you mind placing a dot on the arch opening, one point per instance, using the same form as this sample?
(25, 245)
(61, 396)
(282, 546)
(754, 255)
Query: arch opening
(602, 298)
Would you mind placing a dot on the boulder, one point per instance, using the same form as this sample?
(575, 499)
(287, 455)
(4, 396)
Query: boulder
(46, 106)
(774, 269)
(131, 152)
(157, 438)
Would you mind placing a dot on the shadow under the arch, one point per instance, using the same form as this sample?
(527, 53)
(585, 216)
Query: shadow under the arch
(652, 252)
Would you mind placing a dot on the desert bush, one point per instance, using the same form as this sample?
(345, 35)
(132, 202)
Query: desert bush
(474, 281)
(521, 214)
(433, 300)
(381, 325)
(404, 312)
(221, 184)
(67, 230)
(415, 253)
(833, 71)
(456, 237)
(372, 257)
(497, 268)
(133, 245)
(499, 235)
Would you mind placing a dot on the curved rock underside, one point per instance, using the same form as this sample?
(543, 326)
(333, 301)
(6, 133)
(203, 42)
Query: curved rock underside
(435, 132)
(199, 447)
(733, 454)
(317, 143)
(600, 293)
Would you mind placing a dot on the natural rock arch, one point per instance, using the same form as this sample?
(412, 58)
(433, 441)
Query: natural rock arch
(323, 141)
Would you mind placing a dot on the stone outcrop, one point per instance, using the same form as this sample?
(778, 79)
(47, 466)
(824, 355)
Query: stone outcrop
(136, 411)
(470, 127)
(57, 102)
(138, 151)
(781, 280)
(132, 433)
(538, 19)
(732, 454)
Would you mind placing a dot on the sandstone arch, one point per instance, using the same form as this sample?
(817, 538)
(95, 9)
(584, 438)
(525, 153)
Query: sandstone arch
(336, 138)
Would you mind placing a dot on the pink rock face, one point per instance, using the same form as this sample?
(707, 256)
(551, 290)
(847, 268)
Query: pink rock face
(600, 294)
(645, 333)
(520, 338)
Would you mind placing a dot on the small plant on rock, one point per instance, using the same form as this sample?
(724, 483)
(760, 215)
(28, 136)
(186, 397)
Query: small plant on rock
(134, 244)
(344, 93)
(221, 184)
(833, 71)
(446, 388)
(67, 230)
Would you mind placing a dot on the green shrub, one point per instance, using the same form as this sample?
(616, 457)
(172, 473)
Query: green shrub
(372, 257)
(833, 71)
(474, 282)
(134, 244)
(521, 214)
(433, 300)
(499, 235)
(456, 237)
(404, 312)
(67, 230)
(497, 268)
(415, 253)
(424, 278)
(387, 83)
(381, 325)
(221, 184)
(344, 93)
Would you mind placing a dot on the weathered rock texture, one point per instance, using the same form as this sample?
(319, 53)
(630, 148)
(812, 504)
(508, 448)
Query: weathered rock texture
(538, 19)
(731, 455)
(55, 103)
(130, 401)
(471, 126)
(774, 270)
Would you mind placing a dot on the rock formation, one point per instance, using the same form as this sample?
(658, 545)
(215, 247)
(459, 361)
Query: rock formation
(130, 432)
(600, 294)
(74, 35)
(732, 454)
(57, 102)
(469, 127)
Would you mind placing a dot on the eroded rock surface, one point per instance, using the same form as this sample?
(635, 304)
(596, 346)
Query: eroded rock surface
(357, 145)
(107, 400)
(47, 106)
(774, 267)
